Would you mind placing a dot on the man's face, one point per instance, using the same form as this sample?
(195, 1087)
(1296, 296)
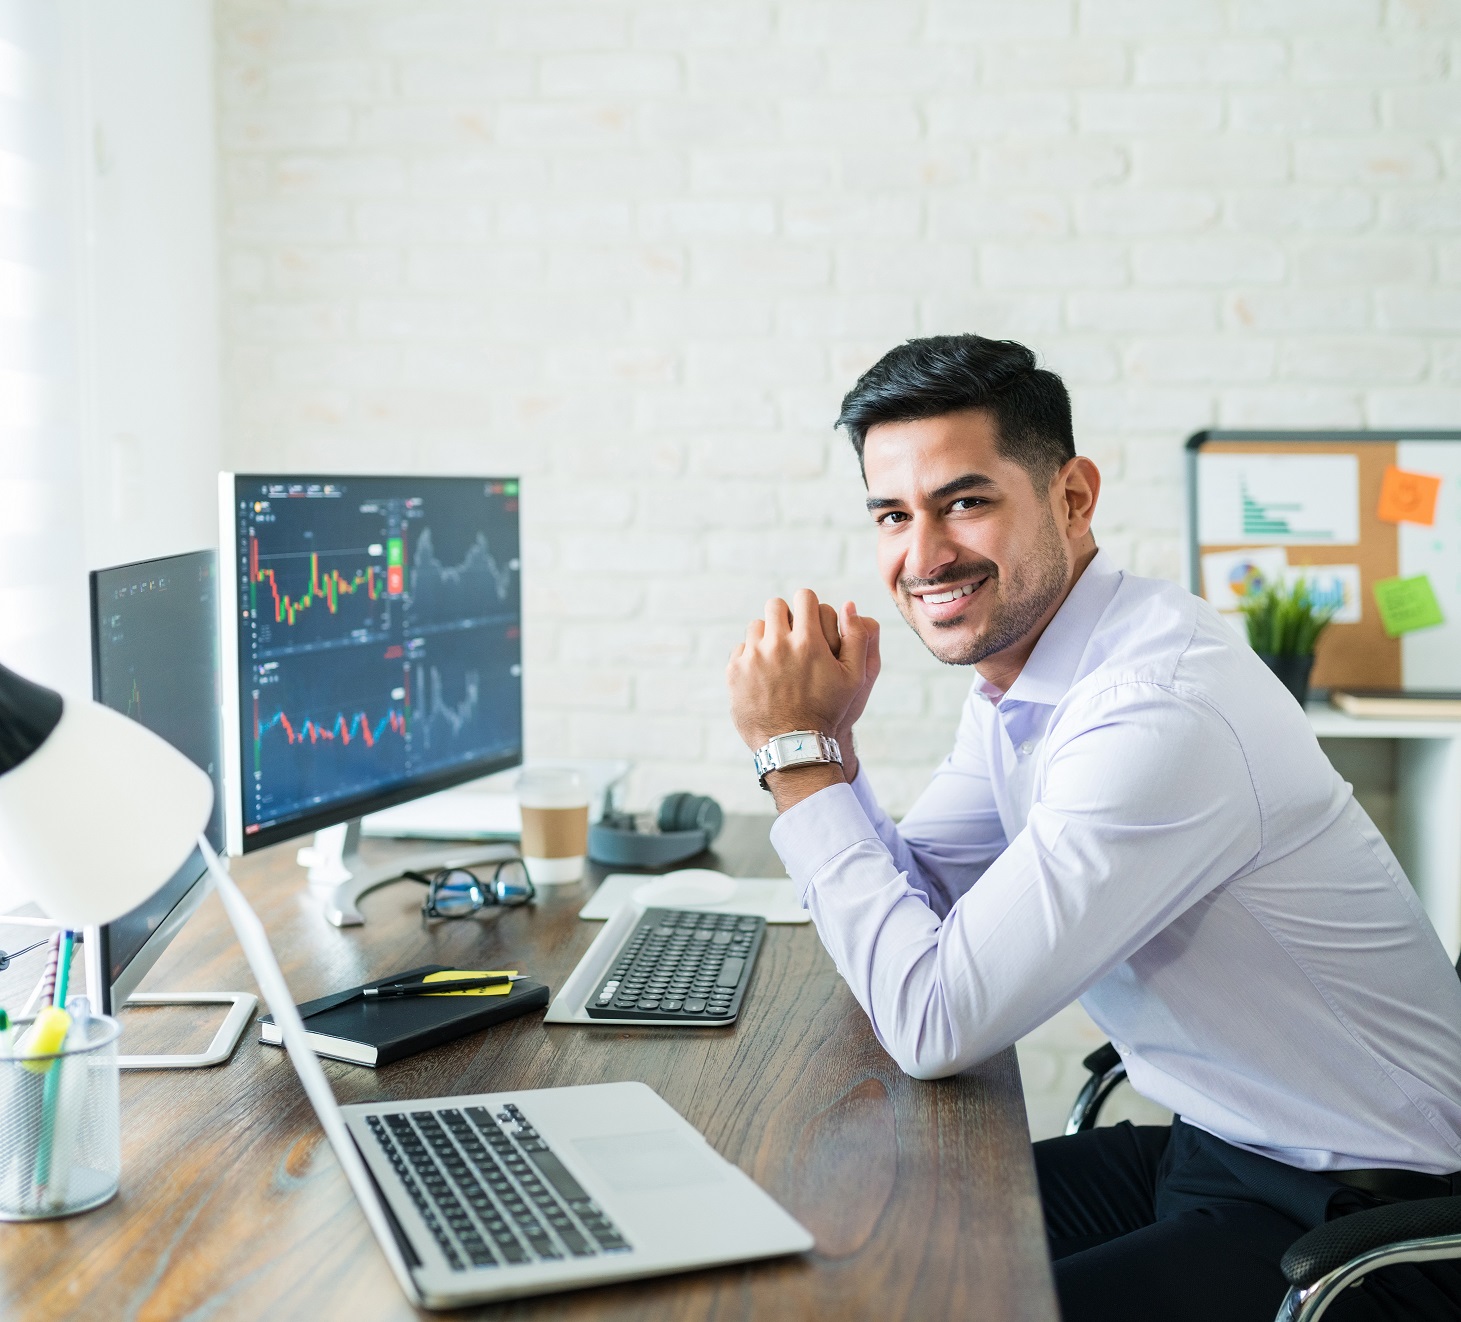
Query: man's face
(968, 547)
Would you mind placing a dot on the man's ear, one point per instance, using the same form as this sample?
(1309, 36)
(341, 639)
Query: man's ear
(1075, 491)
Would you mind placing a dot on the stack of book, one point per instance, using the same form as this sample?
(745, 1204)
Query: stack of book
(1377, 704)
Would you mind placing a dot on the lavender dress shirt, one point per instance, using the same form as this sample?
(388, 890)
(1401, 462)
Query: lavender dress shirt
(1146, 822)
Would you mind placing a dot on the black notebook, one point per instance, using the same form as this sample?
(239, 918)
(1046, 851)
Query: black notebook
(345, 1027)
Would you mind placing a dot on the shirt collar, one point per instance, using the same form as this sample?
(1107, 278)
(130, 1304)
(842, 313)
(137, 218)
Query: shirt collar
(1051, 669)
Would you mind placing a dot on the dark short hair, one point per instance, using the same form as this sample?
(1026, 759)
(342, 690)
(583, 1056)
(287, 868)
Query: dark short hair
(950, 373)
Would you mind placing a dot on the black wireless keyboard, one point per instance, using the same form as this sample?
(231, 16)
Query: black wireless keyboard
(680, 966)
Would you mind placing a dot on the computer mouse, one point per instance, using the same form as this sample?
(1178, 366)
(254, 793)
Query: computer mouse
(687, 888)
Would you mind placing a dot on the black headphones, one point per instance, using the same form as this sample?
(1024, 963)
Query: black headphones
(684, 825)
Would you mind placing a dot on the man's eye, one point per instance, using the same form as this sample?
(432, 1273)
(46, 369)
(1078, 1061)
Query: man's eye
(890, 517)
(968, 503)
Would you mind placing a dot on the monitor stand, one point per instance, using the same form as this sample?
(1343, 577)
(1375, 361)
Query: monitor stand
(334, 861)
(235, 1023)
(224, 1040)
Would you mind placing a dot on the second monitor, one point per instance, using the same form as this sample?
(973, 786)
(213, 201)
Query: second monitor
(372, 651)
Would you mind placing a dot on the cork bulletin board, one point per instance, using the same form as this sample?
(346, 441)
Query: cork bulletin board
(1370, 520)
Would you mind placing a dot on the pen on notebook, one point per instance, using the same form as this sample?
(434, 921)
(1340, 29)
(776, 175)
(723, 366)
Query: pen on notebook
(435, 988)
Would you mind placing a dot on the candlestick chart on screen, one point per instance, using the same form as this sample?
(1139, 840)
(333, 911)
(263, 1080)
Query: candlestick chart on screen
(380, 637)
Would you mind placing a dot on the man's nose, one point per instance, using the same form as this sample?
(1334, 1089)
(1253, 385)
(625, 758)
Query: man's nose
(930, 549)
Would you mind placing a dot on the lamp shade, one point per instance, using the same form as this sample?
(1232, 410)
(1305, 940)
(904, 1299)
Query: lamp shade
(96, 812)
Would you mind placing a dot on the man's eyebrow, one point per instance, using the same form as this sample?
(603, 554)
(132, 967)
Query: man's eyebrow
(967, 482)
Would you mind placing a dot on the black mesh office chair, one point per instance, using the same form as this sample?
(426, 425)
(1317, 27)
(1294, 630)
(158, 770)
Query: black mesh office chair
(1326, 1261)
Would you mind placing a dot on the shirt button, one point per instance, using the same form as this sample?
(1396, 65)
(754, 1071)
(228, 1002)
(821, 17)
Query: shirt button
(1027, 748)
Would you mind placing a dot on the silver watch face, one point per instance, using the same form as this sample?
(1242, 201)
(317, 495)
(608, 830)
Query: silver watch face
(800, 746)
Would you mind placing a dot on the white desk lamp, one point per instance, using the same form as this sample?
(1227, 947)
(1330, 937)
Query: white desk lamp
(95, 811)
(72, 769)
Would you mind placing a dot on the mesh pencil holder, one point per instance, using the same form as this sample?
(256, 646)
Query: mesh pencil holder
(60, 1124)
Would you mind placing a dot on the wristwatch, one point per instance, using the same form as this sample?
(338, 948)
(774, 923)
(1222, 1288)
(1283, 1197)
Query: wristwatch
(799, 748)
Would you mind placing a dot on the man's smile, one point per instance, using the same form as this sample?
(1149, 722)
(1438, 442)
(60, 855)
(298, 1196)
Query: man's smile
(941, 603)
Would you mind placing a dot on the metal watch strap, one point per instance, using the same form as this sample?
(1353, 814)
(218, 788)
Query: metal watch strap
(810, 747)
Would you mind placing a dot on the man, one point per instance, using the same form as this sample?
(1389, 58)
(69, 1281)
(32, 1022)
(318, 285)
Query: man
(1136, 814)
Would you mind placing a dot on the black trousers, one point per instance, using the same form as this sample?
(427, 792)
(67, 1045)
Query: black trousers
(1150, 1224)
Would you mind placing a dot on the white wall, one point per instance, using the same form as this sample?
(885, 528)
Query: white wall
(152, 452)
(42, 586)
(637, 249)
(110, 324)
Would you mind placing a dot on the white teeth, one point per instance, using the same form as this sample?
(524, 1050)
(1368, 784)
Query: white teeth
(939, 598)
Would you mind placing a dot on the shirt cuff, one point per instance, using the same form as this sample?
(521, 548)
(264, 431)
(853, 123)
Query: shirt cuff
(862, 787)
(818, 829)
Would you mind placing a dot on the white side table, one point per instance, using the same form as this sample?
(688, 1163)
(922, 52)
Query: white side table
(1426, 831)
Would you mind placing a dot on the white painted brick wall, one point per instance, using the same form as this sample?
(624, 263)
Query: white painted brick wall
(636, 250)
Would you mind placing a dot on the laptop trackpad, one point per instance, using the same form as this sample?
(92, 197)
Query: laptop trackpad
(638, 1163)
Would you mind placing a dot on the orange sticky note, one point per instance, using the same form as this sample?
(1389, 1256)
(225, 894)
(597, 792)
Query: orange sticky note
(1407, 497)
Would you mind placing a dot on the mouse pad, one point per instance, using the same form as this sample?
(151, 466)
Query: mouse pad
(772, 898)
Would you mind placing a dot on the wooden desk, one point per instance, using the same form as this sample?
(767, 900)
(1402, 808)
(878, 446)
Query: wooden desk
(921, 1195)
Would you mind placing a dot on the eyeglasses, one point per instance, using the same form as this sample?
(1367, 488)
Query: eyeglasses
(457, 893)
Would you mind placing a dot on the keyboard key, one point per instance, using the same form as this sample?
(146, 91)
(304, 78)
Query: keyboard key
(559, 1176)
(577, 1244)
(694, 1005)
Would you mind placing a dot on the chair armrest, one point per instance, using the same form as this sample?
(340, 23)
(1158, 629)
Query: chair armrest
(1103, 1059)
(1107, 1070)
(1328, 1247)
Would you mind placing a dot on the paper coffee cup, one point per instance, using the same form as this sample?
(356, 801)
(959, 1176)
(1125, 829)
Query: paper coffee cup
(554, 808)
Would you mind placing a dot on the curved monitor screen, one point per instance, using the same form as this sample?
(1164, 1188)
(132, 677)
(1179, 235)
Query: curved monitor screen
(376, 627)
(154, 634)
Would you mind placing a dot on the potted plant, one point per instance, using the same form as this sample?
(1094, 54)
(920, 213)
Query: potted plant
(1284, 623)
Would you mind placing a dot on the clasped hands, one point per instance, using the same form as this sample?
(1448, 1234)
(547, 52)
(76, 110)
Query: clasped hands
(805, 666)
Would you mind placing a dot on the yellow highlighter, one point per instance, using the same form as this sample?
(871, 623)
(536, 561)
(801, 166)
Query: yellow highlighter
(44, 1038)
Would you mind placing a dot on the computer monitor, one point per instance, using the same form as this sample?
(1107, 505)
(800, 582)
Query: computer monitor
(154, 641)
(372, 653)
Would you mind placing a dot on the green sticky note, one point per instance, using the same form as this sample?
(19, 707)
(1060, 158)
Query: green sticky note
(1407, 604)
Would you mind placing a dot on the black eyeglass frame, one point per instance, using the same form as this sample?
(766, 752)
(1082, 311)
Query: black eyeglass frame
(479, 894)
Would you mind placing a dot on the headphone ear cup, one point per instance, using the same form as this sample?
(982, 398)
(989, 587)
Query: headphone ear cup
(709, 816)
(670, 813)
(682, 811)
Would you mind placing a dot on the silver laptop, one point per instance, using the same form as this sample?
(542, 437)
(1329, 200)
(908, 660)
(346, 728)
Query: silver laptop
(498, 1195)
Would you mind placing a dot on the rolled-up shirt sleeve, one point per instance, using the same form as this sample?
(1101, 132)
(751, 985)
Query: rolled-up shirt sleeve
(1127, 830)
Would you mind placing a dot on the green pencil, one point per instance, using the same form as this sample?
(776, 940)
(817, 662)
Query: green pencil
(53, 1075)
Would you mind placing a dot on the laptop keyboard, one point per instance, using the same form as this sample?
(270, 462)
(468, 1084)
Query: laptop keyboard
(680, 966)
(490, 1190)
